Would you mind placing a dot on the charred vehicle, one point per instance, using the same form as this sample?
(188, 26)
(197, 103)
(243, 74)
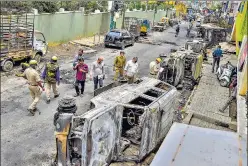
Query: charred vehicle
(118, 38)
(19, 41)
(160, 26)
(213, 34)
(181, 67)
(195, 45)
(129, 117)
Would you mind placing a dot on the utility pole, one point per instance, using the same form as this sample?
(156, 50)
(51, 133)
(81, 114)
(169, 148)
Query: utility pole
(123, 15)
(112, 13)
(155, 11)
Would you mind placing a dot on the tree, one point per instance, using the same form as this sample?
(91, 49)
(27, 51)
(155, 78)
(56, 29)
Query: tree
(143, 7)
(47, 7)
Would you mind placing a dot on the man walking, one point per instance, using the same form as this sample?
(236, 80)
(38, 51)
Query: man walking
(34, 82)
(79, 55)
(51, 75)
(119, 64)
(81, 71)
(131, 70)
(217, 54)
(97, 72)
(154, 68)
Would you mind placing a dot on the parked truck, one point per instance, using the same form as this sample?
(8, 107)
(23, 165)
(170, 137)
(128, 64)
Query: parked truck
(132, 24)
(19, 41)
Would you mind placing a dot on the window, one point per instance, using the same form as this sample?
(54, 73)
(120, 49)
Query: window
(124, 34)
(114, 33)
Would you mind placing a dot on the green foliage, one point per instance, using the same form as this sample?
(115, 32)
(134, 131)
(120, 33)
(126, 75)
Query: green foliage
(53, 6)
(143, 7)
(131, 8)
(138, 5)
(153, 6)
(46, 7)
(148, 7)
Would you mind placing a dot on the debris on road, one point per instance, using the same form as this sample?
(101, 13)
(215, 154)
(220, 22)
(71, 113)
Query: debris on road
(90, 41)
(228, 48)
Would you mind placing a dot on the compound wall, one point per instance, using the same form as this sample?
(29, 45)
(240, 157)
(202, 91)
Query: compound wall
(62, 27)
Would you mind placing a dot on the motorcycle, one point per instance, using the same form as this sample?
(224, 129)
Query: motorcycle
(226, 73)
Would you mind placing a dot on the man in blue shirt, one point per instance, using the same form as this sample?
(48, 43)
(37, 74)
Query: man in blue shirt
(217, 54)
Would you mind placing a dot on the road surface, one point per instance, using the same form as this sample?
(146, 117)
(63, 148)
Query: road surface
(29, 141)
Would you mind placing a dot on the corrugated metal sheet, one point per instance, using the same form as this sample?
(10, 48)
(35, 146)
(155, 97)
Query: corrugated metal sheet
(187, 145)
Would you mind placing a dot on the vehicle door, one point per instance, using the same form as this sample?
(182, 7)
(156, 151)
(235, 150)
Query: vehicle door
(130, 37)
(103, 131)
(125, 37)
(40, 43)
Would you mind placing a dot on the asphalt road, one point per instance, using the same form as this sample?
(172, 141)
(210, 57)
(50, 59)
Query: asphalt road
(29, 141)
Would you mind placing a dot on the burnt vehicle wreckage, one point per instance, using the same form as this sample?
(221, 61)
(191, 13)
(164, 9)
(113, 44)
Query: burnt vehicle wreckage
(181, 67)
(123, 117)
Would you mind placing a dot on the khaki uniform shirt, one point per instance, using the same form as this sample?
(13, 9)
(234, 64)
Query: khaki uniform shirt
(120, 61)
(32, 76)
(154, 67)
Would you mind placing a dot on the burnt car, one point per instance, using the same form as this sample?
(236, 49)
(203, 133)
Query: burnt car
(127, 117)
(160, 26)
(119, 38)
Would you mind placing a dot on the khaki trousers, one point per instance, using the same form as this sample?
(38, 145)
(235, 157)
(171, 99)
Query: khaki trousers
(130, 80)
(118, 72)
(35, 93)
(48, 89)
(153, 76)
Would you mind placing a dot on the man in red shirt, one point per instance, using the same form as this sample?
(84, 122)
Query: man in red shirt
(82, 70)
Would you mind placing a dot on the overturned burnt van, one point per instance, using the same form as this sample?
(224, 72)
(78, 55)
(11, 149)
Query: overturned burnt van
(181, 67)
(129, 117)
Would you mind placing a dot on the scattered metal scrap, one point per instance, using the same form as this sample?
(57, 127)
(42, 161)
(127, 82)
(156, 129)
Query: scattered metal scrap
(128, 117)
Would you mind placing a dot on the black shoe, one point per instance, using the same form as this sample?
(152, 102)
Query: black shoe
(76, 95)
(55, 96)
(31, 112)
(48, 101)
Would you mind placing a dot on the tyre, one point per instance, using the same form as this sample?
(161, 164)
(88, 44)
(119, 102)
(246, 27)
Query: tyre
(223, 83)
(7, 65)
(122, 46)
(37, 57)
(106, 46)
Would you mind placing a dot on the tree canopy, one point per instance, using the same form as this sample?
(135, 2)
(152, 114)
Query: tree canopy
(53, 6)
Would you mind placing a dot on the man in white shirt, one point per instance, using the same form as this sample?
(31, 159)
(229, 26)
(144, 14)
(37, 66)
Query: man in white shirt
(154, 67)
(97, 72)
(131, 69)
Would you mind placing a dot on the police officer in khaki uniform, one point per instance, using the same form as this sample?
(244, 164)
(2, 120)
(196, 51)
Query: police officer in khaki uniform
(119, 64)
(51, 75)
(34, 82)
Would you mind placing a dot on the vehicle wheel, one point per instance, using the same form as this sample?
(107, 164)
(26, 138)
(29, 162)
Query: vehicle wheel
(122, 46)
(106, 46)
(223, 83)
(37, 57)
(7, 66)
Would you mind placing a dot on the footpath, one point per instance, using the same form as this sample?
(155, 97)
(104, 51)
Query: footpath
(208, 97)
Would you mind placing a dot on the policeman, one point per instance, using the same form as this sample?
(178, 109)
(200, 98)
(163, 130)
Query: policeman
(119, 64)
(51, 75)
(154, 67)
(34, 82)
